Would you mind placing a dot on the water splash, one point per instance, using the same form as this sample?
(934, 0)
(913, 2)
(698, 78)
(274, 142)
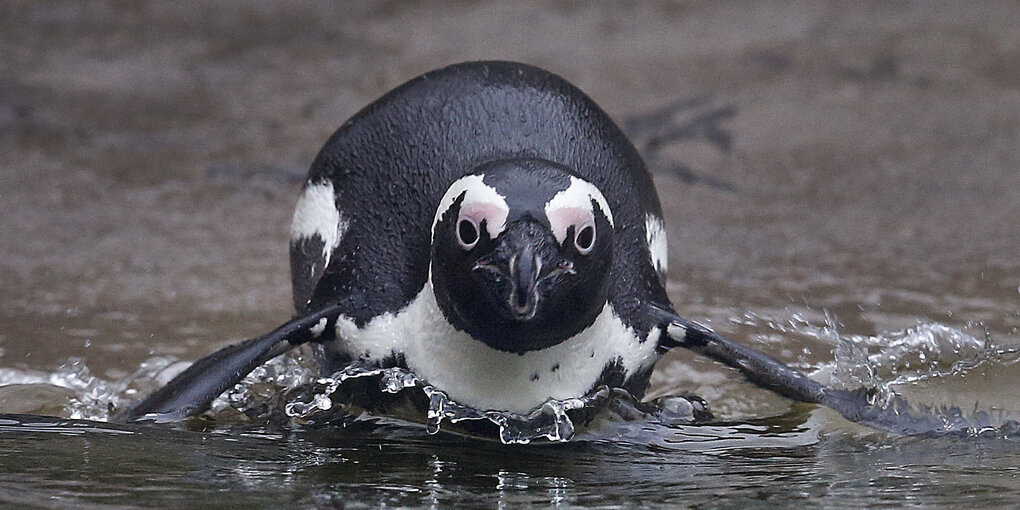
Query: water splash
(263, 393)
(928, 378)
(554, 421)
(72, 391)
(288, 389)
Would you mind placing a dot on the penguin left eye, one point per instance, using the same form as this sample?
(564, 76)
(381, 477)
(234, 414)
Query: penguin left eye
(467, 233)
(584, 239)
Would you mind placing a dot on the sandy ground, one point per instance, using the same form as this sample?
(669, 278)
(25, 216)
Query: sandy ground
(152, 152)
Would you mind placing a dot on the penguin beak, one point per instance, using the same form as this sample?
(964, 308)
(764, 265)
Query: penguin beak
(525, 266)
(525, 259)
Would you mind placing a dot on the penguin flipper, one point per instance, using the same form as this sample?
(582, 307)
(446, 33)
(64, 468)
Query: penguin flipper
(859, 406)
(192, 391)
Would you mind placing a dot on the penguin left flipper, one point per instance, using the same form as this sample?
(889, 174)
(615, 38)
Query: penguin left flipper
(859, 406)
(191, 391)
(758, 367)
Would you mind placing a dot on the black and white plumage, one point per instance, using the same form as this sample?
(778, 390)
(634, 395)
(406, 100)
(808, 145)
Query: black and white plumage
(488, 227)
(519, 148)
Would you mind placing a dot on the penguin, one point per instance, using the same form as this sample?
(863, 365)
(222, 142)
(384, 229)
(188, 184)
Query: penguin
(489, 228)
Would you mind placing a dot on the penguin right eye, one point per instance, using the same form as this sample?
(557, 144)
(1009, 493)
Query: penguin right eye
(467, 233)
(584, 240)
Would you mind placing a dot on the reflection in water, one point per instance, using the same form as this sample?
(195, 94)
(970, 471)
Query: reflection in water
(377, 462)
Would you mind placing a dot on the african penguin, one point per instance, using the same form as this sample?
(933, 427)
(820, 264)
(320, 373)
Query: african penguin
(488, 227)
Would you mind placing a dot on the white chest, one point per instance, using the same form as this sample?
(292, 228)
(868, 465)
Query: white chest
(477, 375)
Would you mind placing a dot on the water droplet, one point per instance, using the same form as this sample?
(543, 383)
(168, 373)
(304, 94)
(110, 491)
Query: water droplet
(323, 402)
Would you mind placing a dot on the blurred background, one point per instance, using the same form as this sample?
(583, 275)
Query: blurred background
(855, 158)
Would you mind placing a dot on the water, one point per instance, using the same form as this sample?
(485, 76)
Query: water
(254, 448)
(845, 199)
(67, 463)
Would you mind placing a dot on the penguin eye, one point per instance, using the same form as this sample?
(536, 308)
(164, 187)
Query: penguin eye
(467, 233)
(584, 240)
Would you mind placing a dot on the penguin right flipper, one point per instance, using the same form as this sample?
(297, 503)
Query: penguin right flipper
(192, 391)
(894, 414)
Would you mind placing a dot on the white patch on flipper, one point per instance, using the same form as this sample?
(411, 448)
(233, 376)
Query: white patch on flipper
(477, 375)
(318, 328)
(655, 234)
(316, 214)
(480, 199)
(676, 332)
(577, 197)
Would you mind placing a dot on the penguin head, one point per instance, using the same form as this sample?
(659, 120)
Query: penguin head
(521, 253)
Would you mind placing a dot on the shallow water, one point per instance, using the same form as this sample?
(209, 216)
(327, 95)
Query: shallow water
(863, 226)
(256, 449)
(64, 463)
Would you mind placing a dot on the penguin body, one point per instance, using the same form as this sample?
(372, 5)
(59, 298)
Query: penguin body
(525, 149)
(489, 228)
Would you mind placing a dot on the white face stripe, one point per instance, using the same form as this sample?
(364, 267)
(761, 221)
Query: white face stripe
(655, 235)
(316, 214)
(561, 211)
(480, 200)
(561, 218)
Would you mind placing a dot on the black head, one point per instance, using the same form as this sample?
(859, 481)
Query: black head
(521, 252)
